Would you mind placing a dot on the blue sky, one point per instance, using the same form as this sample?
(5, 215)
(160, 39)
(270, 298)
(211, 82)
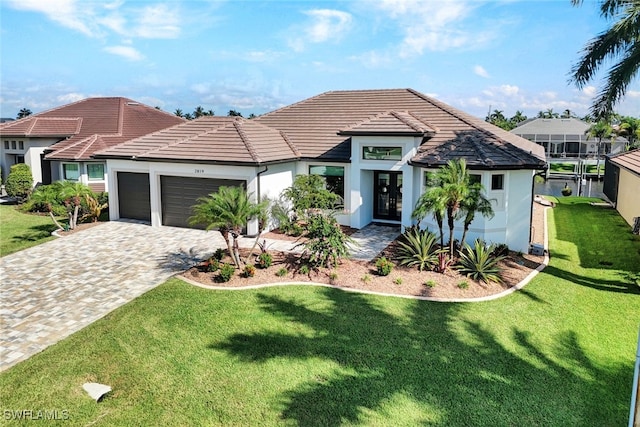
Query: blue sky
(255, 56)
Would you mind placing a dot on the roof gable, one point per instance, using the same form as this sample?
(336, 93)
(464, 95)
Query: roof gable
(390, 123)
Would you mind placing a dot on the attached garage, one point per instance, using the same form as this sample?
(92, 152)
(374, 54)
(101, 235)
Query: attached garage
(134, 196)
(179, 194)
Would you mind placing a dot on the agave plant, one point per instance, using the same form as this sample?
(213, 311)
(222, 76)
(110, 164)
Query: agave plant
(418, 249)
(479, 262)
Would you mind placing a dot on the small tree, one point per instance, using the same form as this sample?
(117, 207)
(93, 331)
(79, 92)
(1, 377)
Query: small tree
(326, 242)
(73, 193)
(431, 202)
(475, 202)
(228, 210)
(309, 192)
(47, 196)
(20, 181)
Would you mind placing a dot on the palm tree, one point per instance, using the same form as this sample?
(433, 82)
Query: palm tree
(598, 131)
(518, 118)
(228, 210)
(47, 196)
(630, 129)
(72, 192)
(431, 202)
(474, 203)
(178, 112)
(454, 188)
(24, 112)
(619, 43)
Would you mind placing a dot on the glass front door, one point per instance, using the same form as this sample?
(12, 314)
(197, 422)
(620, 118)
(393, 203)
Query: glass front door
(387, 195)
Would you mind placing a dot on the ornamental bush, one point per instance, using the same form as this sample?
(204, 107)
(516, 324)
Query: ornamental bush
(19, 182)
(326, 243)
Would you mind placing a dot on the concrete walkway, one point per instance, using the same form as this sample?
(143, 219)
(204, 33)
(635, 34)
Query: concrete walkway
(52, 290)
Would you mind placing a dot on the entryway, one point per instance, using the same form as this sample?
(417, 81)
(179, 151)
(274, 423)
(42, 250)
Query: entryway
(387, 195)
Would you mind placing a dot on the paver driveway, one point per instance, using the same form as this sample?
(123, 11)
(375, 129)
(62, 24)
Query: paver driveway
(52, 290)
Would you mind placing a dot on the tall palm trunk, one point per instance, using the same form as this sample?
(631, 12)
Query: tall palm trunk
(450, 222)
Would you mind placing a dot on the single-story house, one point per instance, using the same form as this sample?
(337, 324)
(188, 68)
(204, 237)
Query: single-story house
(59, 143)
(374, 147)
(622, 183)
(566, 137)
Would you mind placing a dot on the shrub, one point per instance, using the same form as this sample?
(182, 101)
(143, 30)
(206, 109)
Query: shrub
(309, 192)
(265, 260)
(463, 285)
(479, 263)
(501, 250)
(281, 216)
(333, 276)
(566, 191)
(384, 266)
(19, 183)
(443, 262)
(398, 280)
(226, 272)
(326, 242)
(213, 264)
(304, 269)
(430, 284)
(249, 270)
(282, 272)
(218, 254)
(366, 278)
(418, 248)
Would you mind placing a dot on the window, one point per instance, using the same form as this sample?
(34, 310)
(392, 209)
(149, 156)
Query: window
(13, 145)
(71, 171)
(497, 182)
(333, 175)
(382, 153)
(95, 171)
(21, 145)
(6, 145)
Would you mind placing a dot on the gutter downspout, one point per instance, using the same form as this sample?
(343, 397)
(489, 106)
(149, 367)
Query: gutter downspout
(635, 403)
(266, 168)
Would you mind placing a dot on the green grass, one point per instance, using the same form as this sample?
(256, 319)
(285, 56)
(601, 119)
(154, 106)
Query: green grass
(562, 167)
(19, 230)
(560, 352)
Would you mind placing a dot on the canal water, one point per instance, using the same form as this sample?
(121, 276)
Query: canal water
(553, 187)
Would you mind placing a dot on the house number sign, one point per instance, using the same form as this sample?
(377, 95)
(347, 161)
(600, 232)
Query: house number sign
(199, 170)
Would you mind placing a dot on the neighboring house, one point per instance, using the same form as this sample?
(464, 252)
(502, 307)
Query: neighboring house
(566, 138)
(58, 144)
(374, 147)
(622, 183)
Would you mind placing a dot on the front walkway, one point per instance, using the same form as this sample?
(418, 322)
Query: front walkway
(52, 290)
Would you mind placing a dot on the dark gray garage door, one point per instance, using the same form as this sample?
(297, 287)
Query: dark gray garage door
(133, 196)
(180, 193)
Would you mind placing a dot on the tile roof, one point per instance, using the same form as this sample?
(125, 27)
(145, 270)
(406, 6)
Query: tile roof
(390, 123)
(90, 125)
(321, 128)
(313, 125)
(545, 130)
(216, 139)
(629, 160)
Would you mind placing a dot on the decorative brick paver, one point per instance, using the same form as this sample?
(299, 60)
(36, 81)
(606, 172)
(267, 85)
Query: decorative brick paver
(52, 290)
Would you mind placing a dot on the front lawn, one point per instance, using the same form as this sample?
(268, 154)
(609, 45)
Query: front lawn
(20, 230)
(559, 352)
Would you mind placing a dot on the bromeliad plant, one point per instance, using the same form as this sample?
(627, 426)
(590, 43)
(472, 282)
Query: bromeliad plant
(418, 248)
(479, 262)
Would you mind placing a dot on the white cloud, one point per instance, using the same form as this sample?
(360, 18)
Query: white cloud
(633, 94)
(433, 25)
(373, 59)
(68, 98)
(590, 91)
(96, 19)
(480, 71)
(68, 13)
(127, 52)
(157, 22)
(324, 25)
(509, 90)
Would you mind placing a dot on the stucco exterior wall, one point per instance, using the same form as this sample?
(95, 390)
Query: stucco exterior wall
(512, 211)
(628, 204)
